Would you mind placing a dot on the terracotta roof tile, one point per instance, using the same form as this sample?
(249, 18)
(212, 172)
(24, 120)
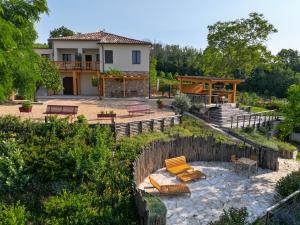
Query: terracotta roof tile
(102, 37)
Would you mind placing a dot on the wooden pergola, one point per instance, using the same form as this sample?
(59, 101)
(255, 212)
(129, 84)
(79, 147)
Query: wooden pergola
(122, 79)
(200, 90)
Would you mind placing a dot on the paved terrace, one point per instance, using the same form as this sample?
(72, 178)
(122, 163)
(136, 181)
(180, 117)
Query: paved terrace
(222, 189)
(90, 107)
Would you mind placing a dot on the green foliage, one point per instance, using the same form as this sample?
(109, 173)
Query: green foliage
(13, 215)
(95, 81)
(13, 177)
(153, 72)
(156, 207)
(291, 112)
(71, 208)
(19, 69)
(26, 104)
(290, 59)
(50, 76)
(233, 216)
(40, 45)
(182, 102)
(248, 98)
(61, 32)
(174, 59)
(289, 184)
(237, 47)
(262, 139)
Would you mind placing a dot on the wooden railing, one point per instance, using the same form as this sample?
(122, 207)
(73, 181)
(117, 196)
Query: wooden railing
(77, 65)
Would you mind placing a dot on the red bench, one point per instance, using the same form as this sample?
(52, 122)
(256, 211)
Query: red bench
(61, 110)
(138, 109)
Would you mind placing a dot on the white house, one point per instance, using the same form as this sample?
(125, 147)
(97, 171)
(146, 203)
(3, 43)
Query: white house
(85, 57)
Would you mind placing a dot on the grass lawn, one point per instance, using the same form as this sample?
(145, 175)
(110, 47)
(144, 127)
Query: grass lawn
(260, 138)
(255, 109)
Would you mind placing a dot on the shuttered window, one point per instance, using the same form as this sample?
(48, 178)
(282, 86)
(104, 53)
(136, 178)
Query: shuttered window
(109, 57)
(136, 57)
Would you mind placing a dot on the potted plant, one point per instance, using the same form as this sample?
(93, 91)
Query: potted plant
(26, 107)
(160, 104)
(95, 81)
(110, 114)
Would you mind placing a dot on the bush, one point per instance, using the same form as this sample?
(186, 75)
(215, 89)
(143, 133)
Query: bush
(26, 105)
(71, 208)
(233, 217)
(182, 102)
(13, 214)
(289, 184)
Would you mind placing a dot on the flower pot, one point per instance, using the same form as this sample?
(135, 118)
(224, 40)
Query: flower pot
(107, 115)
(25, 110)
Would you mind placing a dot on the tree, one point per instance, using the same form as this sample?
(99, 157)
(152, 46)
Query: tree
(290, 58)
(61, 32)
(291, 112)
(153, 72)
(19, 70)
(237, 47)
(50, 76)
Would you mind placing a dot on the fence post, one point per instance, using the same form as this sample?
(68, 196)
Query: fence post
(152, 125)
(249, 120)
(162, 127)
(237, 122)
(231, 122)
(259, 120)
(128, 129)
(254, 121)
(244, 121)
(172, 122)
(140, 127)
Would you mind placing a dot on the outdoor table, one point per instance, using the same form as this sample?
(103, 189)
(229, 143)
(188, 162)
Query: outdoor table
(248, 162)
(190, 175)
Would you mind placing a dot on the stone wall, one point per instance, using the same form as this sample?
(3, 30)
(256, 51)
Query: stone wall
(134, 88)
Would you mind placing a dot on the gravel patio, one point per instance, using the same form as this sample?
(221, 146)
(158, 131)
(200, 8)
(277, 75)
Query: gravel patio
(222, 189)
(90, 107)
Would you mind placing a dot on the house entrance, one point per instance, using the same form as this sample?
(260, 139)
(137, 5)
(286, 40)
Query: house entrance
(68, 85)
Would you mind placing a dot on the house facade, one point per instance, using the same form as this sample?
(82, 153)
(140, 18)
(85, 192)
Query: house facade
(90, 64)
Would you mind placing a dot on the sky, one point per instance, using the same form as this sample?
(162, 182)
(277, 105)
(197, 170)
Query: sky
(182, 22)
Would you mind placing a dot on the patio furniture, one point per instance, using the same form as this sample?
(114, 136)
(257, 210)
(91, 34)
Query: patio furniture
(235, 161)
(177, 165)
(170, 189)
(61, 110)
(249, 163)
(138, 109)
(191, 175)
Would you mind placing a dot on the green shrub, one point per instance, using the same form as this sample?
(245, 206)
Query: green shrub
(156, 207)
(71, 208)
(233, 217)
(26, 104)
(13, 214)
(182, 102)
(289, 184)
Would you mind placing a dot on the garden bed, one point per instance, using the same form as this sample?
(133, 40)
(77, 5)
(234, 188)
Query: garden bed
(258, 138)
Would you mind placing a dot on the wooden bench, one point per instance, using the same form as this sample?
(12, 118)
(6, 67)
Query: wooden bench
(61, 110)
(138, 109)
(190, 175)
(170, 188)
(177, 165)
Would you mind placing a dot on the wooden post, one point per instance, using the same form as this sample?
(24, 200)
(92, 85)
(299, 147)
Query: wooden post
(209, 93)
(145, 87)
(103, 87)
(243, 121)
(78, 83)
(98, 77)
(180, 87)
(254, 121)
(124, 87)
(234, 93)
(74, 83)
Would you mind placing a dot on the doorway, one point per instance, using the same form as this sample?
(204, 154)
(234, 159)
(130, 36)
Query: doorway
(68, 85)
(88, 61)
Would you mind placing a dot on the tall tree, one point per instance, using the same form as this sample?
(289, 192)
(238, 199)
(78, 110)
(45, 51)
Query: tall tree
(61, 32)
(19, 64)
(291, 112)
(153, 72)
(290, 58)
(237, 47)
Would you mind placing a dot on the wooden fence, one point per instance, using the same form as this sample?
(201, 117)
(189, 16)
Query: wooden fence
(152, 158)
(254, 119)
(144, 126)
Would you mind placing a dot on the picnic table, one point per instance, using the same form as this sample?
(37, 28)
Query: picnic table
(249, 163)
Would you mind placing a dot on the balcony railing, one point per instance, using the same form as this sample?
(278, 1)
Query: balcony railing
(77, 65)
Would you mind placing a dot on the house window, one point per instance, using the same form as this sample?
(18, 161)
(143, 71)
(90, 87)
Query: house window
(136, 57)
(97, 57)
(46, 56)
(66, 57)
(109, 57)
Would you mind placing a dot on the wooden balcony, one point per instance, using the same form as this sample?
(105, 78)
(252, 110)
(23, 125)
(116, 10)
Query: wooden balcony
(78, 65)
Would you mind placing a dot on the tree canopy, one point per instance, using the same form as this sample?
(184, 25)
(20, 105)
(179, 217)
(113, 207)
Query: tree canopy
(20, 70)
(61, 32)
(237, 47)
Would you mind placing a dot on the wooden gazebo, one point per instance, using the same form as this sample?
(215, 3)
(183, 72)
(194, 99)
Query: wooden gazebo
(209, 87)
